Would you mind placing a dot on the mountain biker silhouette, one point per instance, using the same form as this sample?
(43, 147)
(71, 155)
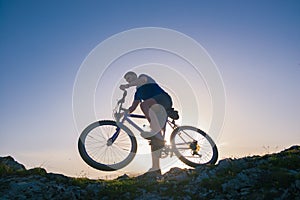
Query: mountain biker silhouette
(154, 103)
(109, 145)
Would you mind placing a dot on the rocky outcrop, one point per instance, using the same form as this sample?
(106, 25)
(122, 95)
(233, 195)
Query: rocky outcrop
(8, 164)
(272, 176)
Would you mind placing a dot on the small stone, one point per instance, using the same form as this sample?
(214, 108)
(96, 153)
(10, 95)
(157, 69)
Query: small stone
(123, 177)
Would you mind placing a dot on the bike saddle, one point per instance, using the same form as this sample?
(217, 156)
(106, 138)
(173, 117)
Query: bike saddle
(173, 114)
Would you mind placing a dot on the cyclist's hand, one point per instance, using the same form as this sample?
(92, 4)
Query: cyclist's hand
(121, 101)
(123, 87)
(125, 111)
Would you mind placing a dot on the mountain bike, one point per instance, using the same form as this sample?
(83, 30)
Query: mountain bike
(110, 145)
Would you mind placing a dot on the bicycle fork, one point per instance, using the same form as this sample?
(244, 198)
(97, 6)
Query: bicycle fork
(113, 138)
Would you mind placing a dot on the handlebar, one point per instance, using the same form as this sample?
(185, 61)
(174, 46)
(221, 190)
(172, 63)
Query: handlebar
(117, 111)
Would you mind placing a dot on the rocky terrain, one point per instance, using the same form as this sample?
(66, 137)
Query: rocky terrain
(272, 176)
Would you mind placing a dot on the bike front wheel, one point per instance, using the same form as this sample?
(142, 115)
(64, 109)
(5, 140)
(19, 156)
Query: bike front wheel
(105, 146)
(193, 146)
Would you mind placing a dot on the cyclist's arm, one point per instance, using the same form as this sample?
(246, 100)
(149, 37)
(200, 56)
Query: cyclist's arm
(138, 82)
(135, 103)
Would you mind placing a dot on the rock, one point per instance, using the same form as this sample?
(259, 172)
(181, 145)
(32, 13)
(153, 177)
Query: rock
(150, 176)
(297, 184)
(294, 148)
(176, 174)
(10, 164)
(201, 177)
(225, 163)
(123, 177)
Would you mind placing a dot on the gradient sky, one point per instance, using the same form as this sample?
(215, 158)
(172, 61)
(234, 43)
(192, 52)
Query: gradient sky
(255, 44)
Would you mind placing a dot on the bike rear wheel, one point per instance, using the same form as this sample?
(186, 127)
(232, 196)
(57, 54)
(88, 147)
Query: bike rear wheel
(97, 149)
(193, 146)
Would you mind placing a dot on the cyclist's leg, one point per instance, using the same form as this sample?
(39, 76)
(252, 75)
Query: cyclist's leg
(148, 108)
(164, 102)
(145, 106)
(155, 111)
(155, 155)
(160, 116)
(156, 115)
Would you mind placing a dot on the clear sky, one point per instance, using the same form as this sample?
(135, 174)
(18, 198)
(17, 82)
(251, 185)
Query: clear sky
(255, 45)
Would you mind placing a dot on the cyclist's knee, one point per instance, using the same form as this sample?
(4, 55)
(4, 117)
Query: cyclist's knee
(147, 103)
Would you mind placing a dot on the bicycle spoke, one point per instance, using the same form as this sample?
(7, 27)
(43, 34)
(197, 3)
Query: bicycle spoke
(193, 146)
(119, 154)
(186, 143)
(99, 150)
(101, 153)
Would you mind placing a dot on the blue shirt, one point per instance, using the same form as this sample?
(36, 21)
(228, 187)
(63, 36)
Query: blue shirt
(148, 90)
